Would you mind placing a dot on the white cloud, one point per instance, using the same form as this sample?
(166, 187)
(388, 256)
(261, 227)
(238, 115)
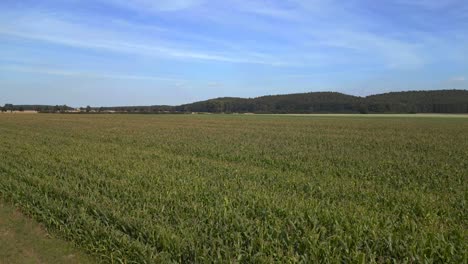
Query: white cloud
(46, 29)
(429, 4)
(60, 72)
(302, 33)
(266, 8)
(154, 5)
(215, 84)
(389, 51)
(458, 79)
(324, 30)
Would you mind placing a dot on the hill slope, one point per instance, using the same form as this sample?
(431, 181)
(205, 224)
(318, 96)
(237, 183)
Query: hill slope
(441, 101)
(437, 101)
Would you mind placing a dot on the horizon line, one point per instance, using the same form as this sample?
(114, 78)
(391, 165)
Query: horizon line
(233, 97)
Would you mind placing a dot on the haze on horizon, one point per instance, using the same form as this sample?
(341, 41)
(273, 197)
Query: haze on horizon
(144, 52)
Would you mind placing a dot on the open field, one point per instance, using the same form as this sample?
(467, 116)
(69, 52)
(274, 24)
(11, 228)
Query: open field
(243, 188)
(19, 112)
(24, 241)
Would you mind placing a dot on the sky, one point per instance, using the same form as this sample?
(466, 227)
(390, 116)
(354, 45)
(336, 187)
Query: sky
(169, 52)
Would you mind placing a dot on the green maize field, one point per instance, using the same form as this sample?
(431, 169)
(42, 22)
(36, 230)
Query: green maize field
(243, 188)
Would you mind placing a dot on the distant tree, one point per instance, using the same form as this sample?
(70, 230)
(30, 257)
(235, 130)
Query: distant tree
(101, 109)
(362, 108)
(9, 107)
(63, 108)
(88, 109)
(21, 109)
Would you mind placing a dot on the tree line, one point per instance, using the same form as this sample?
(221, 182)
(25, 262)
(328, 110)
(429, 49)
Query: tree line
(439, 101)
(38, 108)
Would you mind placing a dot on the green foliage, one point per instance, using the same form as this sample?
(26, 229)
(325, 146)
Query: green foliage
(23, 241)
(8, 107)
(39, 108)
(446, 101)
(240, 188)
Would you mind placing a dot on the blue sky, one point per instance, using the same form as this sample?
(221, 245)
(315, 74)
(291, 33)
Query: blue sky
(144, 52)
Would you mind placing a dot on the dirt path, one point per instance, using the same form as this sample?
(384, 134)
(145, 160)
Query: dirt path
(24, 241)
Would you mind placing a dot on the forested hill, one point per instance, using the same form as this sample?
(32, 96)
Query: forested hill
(291, 103)
(441, 101)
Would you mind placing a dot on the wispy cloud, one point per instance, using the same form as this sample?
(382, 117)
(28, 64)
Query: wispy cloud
(154, 6)
(241, 44)
(281, 11)
(458, 79)
(69, 73)
(328, 28)
(307, 34)
(62, 32)
(429, 4)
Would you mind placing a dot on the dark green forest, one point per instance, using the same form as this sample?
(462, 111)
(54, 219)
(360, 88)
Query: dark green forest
(39, 108)
(439, 101)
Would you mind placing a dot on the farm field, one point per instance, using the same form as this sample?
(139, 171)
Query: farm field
(23, 241)
(243, 188)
